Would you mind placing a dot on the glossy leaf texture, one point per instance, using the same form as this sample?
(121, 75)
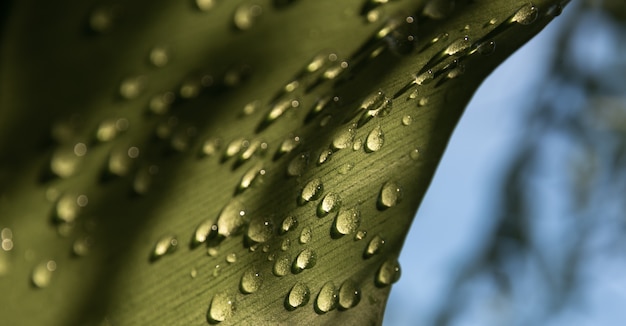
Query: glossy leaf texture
(233, 162)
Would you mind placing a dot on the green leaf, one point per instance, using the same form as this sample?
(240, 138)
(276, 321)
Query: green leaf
(235, 162)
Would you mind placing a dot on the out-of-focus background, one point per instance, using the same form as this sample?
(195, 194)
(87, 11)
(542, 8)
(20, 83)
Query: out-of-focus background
(525, 221)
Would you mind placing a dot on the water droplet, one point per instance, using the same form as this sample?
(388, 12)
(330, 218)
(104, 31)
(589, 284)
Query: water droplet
(344, 138)
(42, 273)
(266, 248)
(255, 146)
(251, 281)
(250, 176)
(277, 111)
(486, 48)
(222, 307)
(121, 160)
(282, 265)
(324, 156)
(321, 105)
(193, 273)
(306, 235)
(159, 56)
(132, 87)
(306, 259)
(407, 120)
(330, 203)
(457, 46)
(210, 147)
(298, 296)
(525, 15)
(311, 191)
(390, 195)
(289, 144)
(231, 218)
(204, 231)
(422, 102)
(289, 223)
(388, 273)
(347, 221)
(374, 105)
(246, 15)
(298, 164)
(231, 258)
(234, 147)
(109, 129)
(260, 229)
(374, 246)
(101, 19)
(374, 140)
(160, 103)
(7, 241)
(335, 70)
(358, 144)
(236, 75)
(68, 207)
(65, 163)
(327, 298)
(349, 294)
(143, 179)
(81, 246)
(166, 244)
(205, 5)
(438, 9)
(217, 270)
(285, 245)
(345, 168)
(360, 235)
(213, 251)
(414, 154)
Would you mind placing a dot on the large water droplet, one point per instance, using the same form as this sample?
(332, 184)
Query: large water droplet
(327, 298)
(204, 231)
(306, 259)
(347, 221)
(388, 273)
(298, 164)
(251, 281)
(306, 235)
(330, 203)
(166, 244)
(375, 140)
(260, 229)
(344, 138)
(246, 15)
(250, 176)
(232, 218)
(311, 191)
(289, 223)
(222, 307)
(374, 246)
(525, 15)
(390, 195)
(298, 296)
(42, 273)
(349, 294)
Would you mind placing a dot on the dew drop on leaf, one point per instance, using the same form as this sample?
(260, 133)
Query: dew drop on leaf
(246, 16)
(110, 129)
(306, 235)
(205, 5)
(250, 176)
(251, 281)
(159, 56)
(306, 259)
(81, 246)
(324, 156)
(525, 15)
(289, 223)
(347, 221)
(288, 145)
(388, 273)
(282, 265)
(349, 294)
(210, 147)
(143, 179)
(422, 102)
(232, 218)
(298, 296)
(6, 237)
(68, 207)
(260, 229)
(345, 168)
(298, 164)
(132, 87)
(65, 163)
(231, 258)
(344, 138)
(486, 48)
(330, 203)
(121, 161)
(160, 103)
(374, 246)
(234, 147)
(375, 140)
(285, 244)
(42, 273)
(390, 195)
(407, 120)
(327, 298)
(311, 191)
(360, 235)
(222, 307)
(164, 245)
(101, 19)
(414, 154)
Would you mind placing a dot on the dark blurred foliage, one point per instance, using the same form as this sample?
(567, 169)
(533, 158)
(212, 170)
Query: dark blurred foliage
(561, 214)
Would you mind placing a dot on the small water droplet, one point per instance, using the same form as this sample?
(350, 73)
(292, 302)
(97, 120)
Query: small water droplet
(204, 231)
(457, 46)
(210, 147)
(132, 87)
(250, 177)
(160, 103)
(358, 144)
(278, 110)
(110, 129)
(438, 9)
(327, 298)
(288, 144)
(330, 203)
(159, 56)
(306, 259)
(231, 219)
(81, 246)
(68, 207)
(345, 168)
(255, 146)
(246, 15)
(525, 15)
(289, 223)
(205, 5)
(374, 105)
(193, 273)
(422, 102)
(390, 195)
(349, 294)
(231, 258)
(234, 147)
(324, 156)
(285, 244)
(306, 235)
(388, 273)
(311, 191)
(335, 70)
(217, 270)
(7, 241)
(344, 138)
(298, 296)
(486, 48)
(101, 19)
(282, 265)
(213, 251)
(360, 235)
(42, 273)
(222, 307)
(65, 163)
(143, 179)
(298, 164)
(347, 221)
(121, 161)
(260, 229)
(374, 246)
(374, 140)
(407, 120)
(166, 244)
(414, 154)
(251, 281)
